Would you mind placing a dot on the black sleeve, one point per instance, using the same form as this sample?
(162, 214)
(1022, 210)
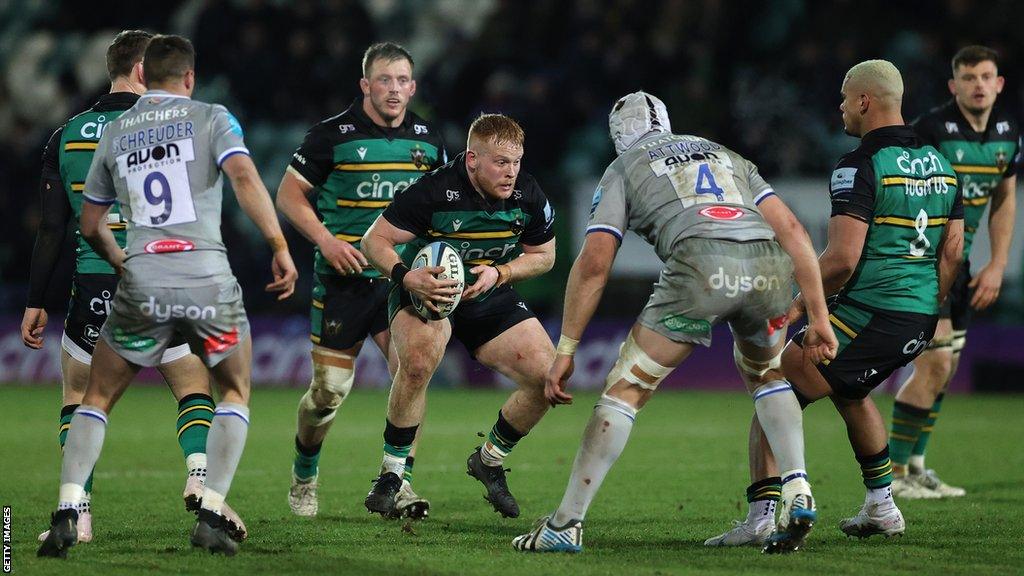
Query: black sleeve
(852, 188)
(540, 228)
(411, 210)
(314, 159)
(956, 212)
(1015, 160)
(55, 210)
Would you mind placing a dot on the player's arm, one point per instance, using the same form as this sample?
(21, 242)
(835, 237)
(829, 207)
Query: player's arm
(55, 211)
(951, 255)
(93, 225)
(379, 247)
(820, 342)
(1000, 230)
(534, 261)
(255, 201)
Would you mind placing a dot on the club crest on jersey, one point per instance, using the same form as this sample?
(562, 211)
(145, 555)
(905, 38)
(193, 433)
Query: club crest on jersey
(165, 245)
(516, 226)
(418, 154)
(721, 212)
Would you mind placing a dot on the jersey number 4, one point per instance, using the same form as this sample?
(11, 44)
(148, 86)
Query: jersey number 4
(699, 182)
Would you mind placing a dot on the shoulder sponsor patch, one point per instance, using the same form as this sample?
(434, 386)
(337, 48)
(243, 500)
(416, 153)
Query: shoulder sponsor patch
(235, 126)
(842, 180)
(596, 200)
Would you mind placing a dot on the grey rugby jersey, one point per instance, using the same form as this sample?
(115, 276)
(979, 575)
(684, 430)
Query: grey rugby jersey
(161, 161)
(668, 187)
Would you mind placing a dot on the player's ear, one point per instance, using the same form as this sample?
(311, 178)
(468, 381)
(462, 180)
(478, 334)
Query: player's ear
(138, 71)
(364, 85)
(999, 84)
(952, 86)
(412, 87)
(189, 80)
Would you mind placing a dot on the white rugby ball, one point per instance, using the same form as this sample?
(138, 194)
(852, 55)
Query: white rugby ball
(440, 254)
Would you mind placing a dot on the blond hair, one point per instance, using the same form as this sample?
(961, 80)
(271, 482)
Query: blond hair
(496, 129)
(879, 78)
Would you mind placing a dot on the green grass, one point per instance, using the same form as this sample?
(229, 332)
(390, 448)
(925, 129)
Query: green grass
(680, 480)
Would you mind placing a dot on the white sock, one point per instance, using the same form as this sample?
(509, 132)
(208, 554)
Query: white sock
(879, 496)
(196, 462)
(761, 513)
(224, 446)
(394, 464)
(916, 464)
(782, 420)
(81, 451)
(491, 455)
(603, 441)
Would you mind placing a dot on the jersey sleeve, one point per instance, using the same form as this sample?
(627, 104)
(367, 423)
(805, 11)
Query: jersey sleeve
(1014, 166)
(852, 188)
(410, 210)
(51, 156)
(55, 210)
(541, 228)
(99, 184)
(313, 160)
(956, 212)
(760, 189)
(609, 210)
(226, 138)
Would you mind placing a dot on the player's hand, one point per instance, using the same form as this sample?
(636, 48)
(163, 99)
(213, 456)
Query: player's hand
(796, 310)
(486, 278)
(118, 262)
(32, 324)
(423, 282)
(342, 256)
(986, 286)
(558, 379)
(285, 274)
(819, 341)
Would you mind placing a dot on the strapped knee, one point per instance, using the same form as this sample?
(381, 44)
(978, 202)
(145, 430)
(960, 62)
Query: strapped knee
(636, 367)
(333, 375)
(755, 368)
(939, 343)
(616, 405)
(959, 340)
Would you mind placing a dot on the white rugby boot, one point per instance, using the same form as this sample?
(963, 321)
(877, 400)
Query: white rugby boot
(910, 488)
(875, 518)
(932, 481)
(546, 538)
(84, 523)
(409, 505)
(302, 497)
(743, 533)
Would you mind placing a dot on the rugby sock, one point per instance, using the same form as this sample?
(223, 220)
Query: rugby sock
(195, 411)
(81, 451)
(407, 473)
(62, 433)
(603, 441)
(907, 423)
(781, 418)
(224, 448)
(876, 470)
(306, 465)
(500, 441)
(917, 454)
(762, 496)
(397, 445)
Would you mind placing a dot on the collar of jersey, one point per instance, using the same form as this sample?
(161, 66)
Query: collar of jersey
(163, 94)
(357, 111)
(894, 132)
(964, 125)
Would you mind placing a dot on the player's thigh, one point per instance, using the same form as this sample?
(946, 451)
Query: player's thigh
(645, 359)
(185, 374)
(419, 345)
(109, 376)
(523, 353)
(344, 311)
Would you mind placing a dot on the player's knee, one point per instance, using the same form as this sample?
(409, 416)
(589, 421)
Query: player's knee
(958, 341)
(415, 371)
(333, 376)
(757, 372)
(635, 367)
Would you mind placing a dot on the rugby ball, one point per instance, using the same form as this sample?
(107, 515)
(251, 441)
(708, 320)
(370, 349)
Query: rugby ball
(439, 254)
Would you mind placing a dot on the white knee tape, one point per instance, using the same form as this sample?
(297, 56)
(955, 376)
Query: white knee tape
(617, 405)
(959, 340)
(636, 367)
(755, 368)
(333, 376)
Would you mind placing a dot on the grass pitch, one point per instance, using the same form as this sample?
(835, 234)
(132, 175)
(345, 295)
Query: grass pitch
(680, 481)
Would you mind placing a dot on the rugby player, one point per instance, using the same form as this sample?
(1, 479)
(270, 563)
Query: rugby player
(354, 164)
(982, 141)
(731, 248)
(66, 161)
(895, 241)
(501, 223)
(161, 160)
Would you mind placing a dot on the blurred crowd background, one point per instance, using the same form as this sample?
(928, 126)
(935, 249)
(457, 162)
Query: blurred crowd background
(761, 77)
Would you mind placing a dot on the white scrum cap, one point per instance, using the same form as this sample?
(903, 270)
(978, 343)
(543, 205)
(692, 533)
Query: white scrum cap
(634, 116)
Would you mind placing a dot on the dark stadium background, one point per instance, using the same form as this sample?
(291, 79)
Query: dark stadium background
(761, 77)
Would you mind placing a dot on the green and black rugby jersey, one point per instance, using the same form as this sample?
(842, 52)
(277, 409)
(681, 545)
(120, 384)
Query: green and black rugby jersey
(356, 167)
(981, 159)
(444, 205)
(906, 191)
(68, 157)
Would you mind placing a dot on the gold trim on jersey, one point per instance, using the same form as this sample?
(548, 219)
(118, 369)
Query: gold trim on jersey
(480, 262)
(473, 235)
(908, 222)
(891, 180)
(348, 237)
(363, 203)
(381, 166)
(318, 305)
(76, 146)
(976, 201)
(843, 327)
(117, 226)
(77, 186)
(977, 169)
